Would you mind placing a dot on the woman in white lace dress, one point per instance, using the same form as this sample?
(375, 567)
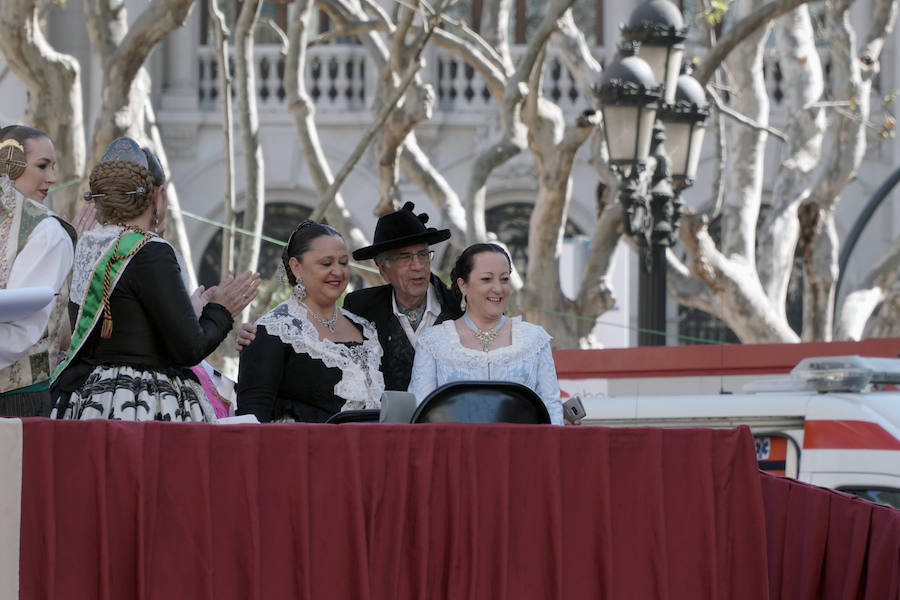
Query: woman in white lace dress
(484, 344)
(311, 359)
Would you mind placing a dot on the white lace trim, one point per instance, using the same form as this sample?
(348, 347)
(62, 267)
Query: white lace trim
(527, 341)
(288, 322)
(92, 246)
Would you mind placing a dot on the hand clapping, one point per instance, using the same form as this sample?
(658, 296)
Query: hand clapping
(236, 293)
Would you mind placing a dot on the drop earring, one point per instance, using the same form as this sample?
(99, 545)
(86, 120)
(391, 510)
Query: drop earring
(463, 305)
(299, 289)
(155, 225)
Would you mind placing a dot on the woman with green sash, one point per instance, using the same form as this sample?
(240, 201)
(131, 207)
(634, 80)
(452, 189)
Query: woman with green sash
(136, 331)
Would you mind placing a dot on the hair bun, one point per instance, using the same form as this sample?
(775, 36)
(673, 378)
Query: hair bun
(12, 159)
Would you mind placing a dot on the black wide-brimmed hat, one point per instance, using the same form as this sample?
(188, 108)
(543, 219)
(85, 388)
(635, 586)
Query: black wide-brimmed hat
(401, 228)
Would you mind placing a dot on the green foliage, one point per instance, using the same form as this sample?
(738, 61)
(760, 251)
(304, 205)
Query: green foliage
(716, 12)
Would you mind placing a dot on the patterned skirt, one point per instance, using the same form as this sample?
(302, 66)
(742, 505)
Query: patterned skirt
(130, 394)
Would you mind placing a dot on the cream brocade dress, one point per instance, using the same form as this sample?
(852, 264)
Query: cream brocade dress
(441, 358)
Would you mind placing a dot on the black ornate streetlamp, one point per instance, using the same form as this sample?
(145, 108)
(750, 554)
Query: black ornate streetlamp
(639, 118)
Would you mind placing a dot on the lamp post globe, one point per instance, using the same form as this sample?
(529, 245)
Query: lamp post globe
(629, 99)
(658, 26)
(684, 121)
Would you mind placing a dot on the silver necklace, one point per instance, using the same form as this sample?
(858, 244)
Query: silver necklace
(485, 337)
(329, 323)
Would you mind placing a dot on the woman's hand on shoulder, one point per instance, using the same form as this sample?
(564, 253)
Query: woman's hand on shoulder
(236, 293)
(246, 334)
(85, 219)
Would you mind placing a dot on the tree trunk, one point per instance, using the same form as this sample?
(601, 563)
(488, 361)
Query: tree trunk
(123, 51)
(54, 100)
(739, 298)
(222, 55)
(513, 137)
(248, 121)
(125, 89)
(744, 162)
(303, 113)
(845, 147)
(858, 306)
(803, 83)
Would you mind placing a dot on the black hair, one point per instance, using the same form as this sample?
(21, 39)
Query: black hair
(466, 262)
(300, 241)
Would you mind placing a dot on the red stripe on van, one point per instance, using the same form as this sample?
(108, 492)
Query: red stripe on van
(855, 435)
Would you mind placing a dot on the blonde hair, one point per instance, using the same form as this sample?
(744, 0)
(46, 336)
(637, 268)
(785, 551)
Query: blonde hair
(121, 189)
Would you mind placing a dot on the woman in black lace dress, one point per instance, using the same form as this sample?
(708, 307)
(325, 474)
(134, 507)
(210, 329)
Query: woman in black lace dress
(311, 359)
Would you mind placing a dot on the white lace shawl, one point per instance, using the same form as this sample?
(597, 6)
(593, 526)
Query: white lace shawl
(92, 246)
(288, 321)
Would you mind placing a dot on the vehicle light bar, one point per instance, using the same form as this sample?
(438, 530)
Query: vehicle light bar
(846, 373)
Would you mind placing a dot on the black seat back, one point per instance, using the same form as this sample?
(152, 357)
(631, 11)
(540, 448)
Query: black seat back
(364, 415)
(482, 402)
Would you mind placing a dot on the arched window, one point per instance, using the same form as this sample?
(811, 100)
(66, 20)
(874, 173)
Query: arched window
(510, 222)
(280, 220)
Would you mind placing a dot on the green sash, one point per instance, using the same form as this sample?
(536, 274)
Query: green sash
(91, 310)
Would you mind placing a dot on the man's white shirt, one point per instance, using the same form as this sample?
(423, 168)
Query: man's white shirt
(432, 312)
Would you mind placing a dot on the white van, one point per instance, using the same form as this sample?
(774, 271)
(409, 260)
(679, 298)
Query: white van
(834, 422)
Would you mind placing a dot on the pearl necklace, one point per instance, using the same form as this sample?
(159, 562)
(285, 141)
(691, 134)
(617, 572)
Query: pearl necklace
(485, 337)
(329, 323)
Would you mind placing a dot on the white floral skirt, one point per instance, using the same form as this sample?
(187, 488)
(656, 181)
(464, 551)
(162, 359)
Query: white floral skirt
(130, 394)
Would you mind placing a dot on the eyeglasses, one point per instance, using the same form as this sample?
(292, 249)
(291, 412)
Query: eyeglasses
(405, 258)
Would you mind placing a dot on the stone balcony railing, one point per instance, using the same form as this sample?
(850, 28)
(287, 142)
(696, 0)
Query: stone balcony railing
(342, 78)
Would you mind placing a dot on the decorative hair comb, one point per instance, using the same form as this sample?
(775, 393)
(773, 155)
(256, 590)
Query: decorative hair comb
(125, 148)
(8, 164)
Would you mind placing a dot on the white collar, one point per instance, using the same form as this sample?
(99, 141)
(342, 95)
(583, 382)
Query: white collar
(432, 305)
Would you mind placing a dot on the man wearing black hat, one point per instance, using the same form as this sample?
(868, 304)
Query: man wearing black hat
(412, 300)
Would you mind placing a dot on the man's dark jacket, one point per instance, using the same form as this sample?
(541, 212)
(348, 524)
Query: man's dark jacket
(374, 304)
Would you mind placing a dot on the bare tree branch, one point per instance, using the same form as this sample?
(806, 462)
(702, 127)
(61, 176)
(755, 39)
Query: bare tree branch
(411, 70)
(760, 17)
(742, 119)
(349, 29)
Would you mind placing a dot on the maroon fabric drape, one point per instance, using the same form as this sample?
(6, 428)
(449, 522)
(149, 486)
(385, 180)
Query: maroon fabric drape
(123, 510)
(825, 545)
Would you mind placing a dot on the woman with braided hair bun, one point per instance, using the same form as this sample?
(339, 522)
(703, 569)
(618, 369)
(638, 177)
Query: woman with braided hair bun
(136, 331)
(37, 249)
